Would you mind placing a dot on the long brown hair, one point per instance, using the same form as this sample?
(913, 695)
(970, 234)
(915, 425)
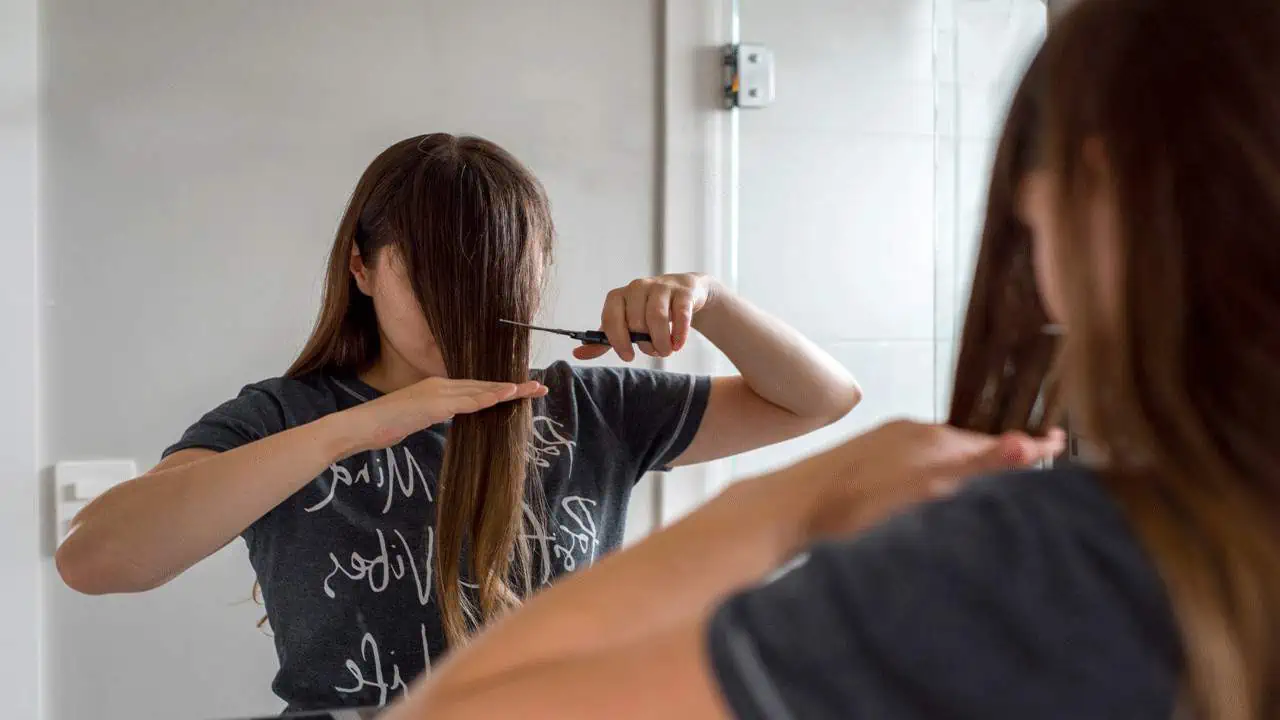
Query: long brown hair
(1002, 379)
(1177, 377)
(473, 227)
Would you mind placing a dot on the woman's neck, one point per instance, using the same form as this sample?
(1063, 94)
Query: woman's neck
(391, 372)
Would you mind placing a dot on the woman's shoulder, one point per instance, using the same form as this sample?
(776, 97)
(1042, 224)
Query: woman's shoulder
(309, 389)
(562, 372)
(1023, 595)
(1029, 519)
(625, 396)
(1050, 551)
(260, 409)
(609, 379)
(556, 374)
(579, 384)
(291, 400)
(1066, 495)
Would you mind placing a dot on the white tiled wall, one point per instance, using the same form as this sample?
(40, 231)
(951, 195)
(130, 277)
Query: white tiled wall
(899, 371)
(862, 187)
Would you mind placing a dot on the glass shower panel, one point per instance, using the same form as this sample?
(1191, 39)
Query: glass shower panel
(860, 188)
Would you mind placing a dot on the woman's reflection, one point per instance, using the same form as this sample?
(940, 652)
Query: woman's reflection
(409, 478)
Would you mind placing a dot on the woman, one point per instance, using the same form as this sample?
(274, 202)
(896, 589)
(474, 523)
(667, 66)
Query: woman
(409, 478)
(1145, 586)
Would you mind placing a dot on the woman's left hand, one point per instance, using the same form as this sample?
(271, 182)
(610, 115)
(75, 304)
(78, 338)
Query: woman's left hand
(902, 463)
(662, 306)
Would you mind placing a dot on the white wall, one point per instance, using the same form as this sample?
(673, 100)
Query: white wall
(20, 610)
(197, 158)
(861, 186)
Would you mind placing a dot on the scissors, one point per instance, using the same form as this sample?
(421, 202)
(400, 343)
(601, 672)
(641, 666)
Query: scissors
(587, 337)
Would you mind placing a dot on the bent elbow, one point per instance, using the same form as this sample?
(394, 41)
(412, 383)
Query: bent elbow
(92, 568)
(854, 397)
(78, 571)
(843, 403)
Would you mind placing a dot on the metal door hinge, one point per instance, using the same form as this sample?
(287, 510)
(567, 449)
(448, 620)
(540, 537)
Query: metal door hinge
(748, 76)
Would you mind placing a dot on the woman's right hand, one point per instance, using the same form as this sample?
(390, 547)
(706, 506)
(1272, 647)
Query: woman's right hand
(387, 420)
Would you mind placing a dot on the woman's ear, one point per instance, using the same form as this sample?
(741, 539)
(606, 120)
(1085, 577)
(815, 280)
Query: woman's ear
(360, 272)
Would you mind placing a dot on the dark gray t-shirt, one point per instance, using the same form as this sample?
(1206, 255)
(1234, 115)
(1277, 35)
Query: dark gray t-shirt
(1025, 596)
(345, 563)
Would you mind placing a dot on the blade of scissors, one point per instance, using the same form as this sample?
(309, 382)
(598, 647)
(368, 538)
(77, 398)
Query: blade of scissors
(566, 333)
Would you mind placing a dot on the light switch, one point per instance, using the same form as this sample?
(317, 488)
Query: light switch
(90, 489)
(76, 482)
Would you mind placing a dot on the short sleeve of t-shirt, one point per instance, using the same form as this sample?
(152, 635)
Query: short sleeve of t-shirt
(653, 415)
(1023, 597)
(257, 412)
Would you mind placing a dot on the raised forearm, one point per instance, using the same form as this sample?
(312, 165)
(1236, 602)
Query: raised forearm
(777, 362)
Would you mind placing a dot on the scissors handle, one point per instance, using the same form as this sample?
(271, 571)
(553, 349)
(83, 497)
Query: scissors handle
(597, 337)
